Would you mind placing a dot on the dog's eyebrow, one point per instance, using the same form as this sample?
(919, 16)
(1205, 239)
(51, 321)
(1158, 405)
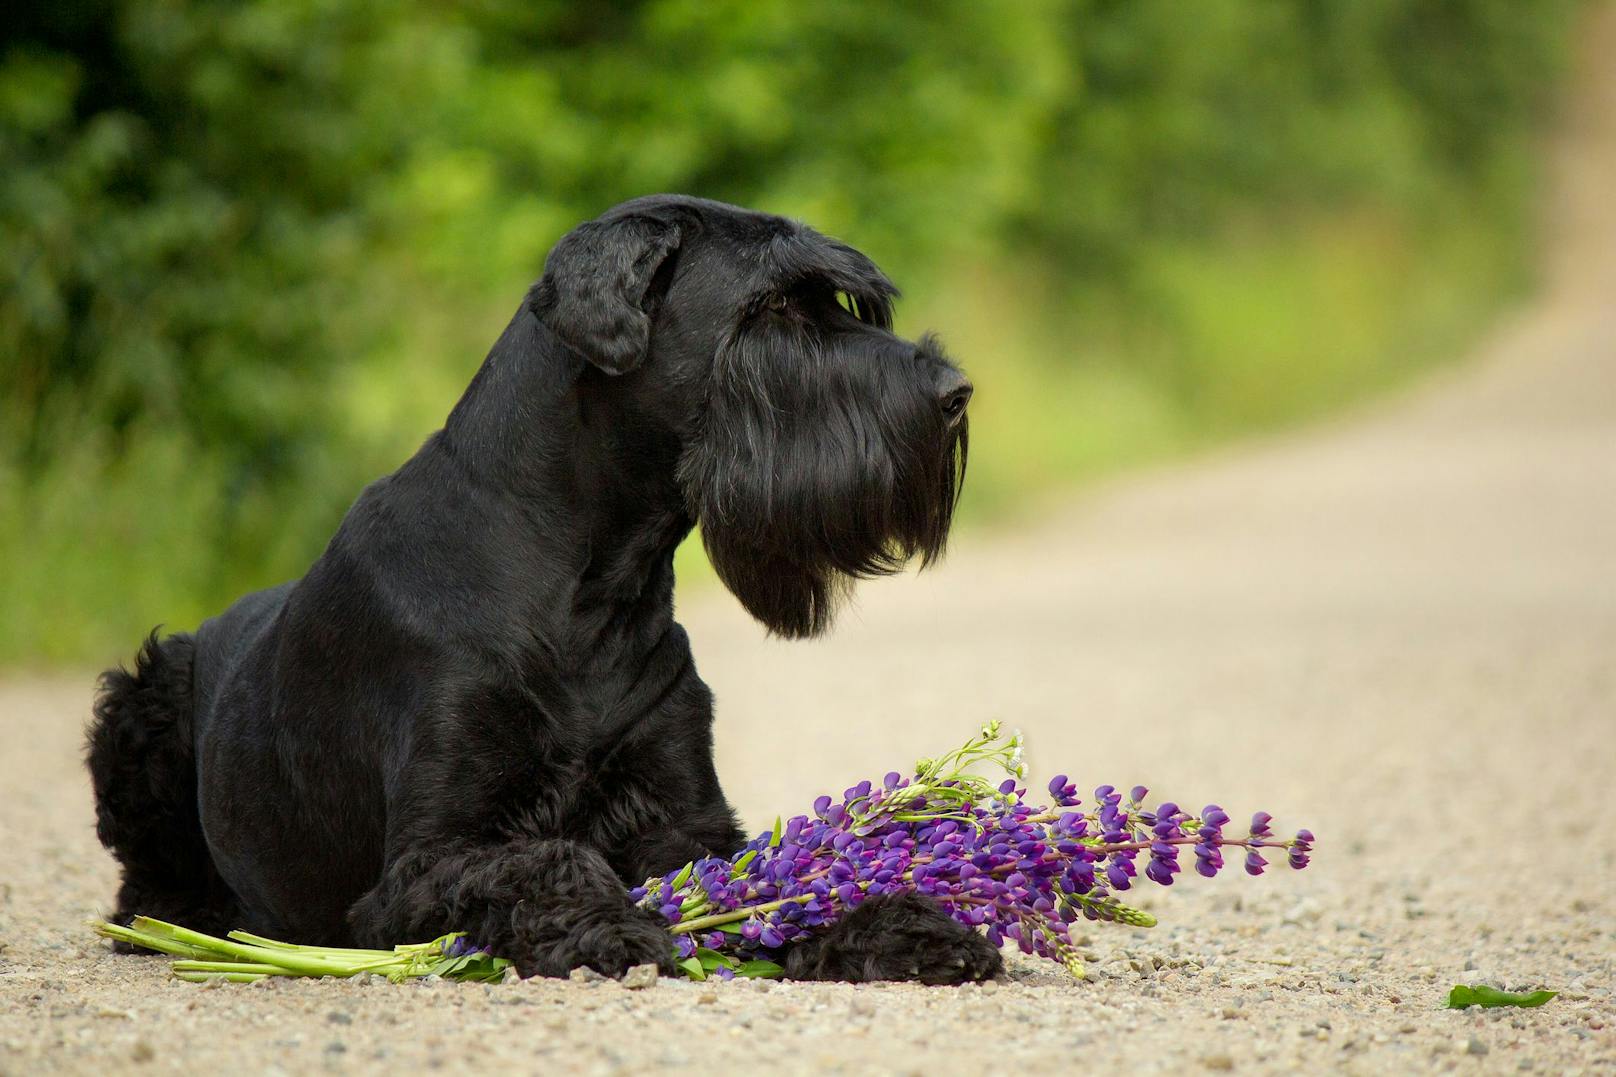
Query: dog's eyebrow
(806, 256)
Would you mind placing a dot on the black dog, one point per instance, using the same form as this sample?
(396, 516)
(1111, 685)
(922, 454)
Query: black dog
(475, 712)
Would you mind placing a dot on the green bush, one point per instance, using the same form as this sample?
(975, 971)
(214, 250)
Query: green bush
(250, 252)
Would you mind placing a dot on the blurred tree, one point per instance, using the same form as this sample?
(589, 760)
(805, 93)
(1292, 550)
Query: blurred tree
(248, 251)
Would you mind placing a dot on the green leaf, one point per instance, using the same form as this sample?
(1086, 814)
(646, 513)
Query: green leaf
(759, 970)
(692, 968)
(730, 928)
(496, 969)
(479, 968)
(1464, 995)
(774, 838)
(447, 967)
(683, 876)
(741, 864)
(712, 959)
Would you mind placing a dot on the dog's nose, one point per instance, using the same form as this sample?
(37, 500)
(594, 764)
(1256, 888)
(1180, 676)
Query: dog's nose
(953, 393)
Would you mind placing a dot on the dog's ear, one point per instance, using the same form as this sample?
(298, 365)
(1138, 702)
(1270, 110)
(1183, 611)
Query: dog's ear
(600, 288)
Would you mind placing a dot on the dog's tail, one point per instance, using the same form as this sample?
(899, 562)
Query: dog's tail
(142, 760)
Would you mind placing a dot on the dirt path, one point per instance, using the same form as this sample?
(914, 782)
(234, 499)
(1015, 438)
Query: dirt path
(1400, 631)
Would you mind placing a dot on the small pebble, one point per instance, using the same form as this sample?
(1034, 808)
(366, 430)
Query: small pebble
(640, 977)
(583, 974)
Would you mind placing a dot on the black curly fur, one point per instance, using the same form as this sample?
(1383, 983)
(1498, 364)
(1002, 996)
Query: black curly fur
(476, 712)
(143, 772)
(896, 937)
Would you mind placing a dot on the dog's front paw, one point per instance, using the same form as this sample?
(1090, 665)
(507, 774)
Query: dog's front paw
(955, 957)
(904, 937)
(610, 943)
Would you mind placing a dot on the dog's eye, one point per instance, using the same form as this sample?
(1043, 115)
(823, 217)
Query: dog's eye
(776, 301)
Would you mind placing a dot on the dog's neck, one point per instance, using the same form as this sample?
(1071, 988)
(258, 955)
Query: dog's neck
(564, 443)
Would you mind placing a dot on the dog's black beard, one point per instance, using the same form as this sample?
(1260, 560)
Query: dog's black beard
(821, 462)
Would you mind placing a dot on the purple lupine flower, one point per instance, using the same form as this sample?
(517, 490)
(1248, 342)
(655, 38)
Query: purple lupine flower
(985, 855)
(1208, 858)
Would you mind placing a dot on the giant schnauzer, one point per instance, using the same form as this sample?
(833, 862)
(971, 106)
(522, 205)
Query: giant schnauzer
(476, 712)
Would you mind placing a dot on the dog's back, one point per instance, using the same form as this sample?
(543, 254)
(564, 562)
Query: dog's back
(222, 642)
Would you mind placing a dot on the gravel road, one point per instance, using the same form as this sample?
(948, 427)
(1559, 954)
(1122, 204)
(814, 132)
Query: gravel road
(1398, 630)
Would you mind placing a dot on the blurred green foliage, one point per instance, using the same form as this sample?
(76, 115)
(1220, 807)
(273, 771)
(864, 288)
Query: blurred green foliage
(250, 252)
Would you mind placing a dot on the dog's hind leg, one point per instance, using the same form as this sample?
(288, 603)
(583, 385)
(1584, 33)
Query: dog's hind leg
(142, 764)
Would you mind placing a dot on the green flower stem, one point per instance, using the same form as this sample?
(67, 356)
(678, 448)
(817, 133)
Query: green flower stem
(307, 963)
(332, 951)
(701, 923)
(151, 942)
(227, 977)
(228, 967)
(205, 957)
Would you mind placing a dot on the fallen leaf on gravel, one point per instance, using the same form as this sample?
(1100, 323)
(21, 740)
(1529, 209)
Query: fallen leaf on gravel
(1462, 996)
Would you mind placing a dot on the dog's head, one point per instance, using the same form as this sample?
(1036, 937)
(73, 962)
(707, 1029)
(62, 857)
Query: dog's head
(817, 447)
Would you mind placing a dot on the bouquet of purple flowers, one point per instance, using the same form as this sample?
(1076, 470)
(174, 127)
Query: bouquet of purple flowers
(973, 845)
